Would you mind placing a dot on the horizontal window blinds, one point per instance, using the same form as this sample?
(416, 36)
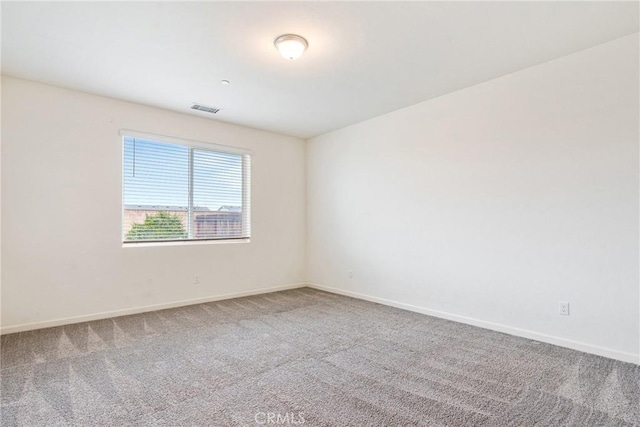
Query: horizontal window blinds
(181, 192)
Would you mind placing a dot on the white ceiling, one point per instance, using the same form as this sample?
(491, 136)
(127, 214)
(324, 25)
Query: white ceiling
(364, 58)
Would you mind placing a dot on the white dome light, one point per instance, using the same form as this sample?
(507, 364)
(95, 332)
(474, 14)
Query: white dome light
(291, 46)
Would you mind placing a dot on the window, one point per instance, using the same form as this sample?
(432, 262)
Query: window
(175, 190)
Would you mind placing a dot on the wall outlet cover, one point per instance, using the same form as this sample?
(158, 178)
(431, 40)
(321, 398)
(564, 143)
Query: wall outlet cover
(563, 308)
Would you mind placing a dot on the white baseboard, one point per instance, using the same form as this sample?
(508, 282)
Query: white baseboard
(563, 342)
(550, 339)
(142, 309)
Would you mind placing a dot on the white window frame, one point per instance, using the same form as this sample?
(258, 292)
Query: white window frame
(192, 144)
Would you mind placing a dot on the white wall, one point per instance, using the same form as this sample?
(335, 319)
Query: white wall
(491, 204)
(61, 194)
(487, 205)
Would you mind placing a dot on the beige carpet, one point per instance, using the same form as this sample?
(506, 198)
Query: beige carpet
(304, 357)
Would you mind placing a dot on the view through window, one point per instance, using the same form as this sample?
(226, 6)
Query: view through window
(181, 191)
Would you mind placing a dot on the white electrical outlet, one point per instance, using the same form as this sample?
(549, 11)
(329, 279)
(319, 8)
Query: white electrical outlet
(196, 280)
(350, 274)
(563, 308)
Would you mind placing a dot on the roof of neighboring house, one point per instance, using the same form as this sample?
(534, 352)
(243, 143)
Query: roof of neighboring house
(230, 208)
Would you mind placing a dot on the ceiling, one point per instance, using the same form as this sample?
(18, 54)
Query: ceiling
(364, 58)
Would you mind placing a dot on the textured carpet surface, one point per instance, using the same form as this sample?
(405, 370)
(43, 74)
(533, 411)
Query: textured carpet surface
(304, 357)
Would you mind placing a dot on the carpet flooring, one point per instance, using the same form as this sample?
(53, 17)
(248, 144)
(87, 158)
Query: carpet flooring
(304, 357)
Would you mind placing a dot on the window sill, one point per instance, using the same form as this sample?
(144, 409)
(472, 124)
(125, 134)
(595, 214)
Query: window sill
(185, 243)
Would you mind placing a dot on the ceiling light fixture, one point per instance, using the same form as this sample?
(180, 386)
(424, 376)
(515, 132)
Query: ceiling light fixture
(291, 46)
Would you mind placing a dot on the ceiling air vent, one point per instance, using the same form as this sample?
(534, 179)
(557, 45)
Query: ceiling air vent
(205, 108)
